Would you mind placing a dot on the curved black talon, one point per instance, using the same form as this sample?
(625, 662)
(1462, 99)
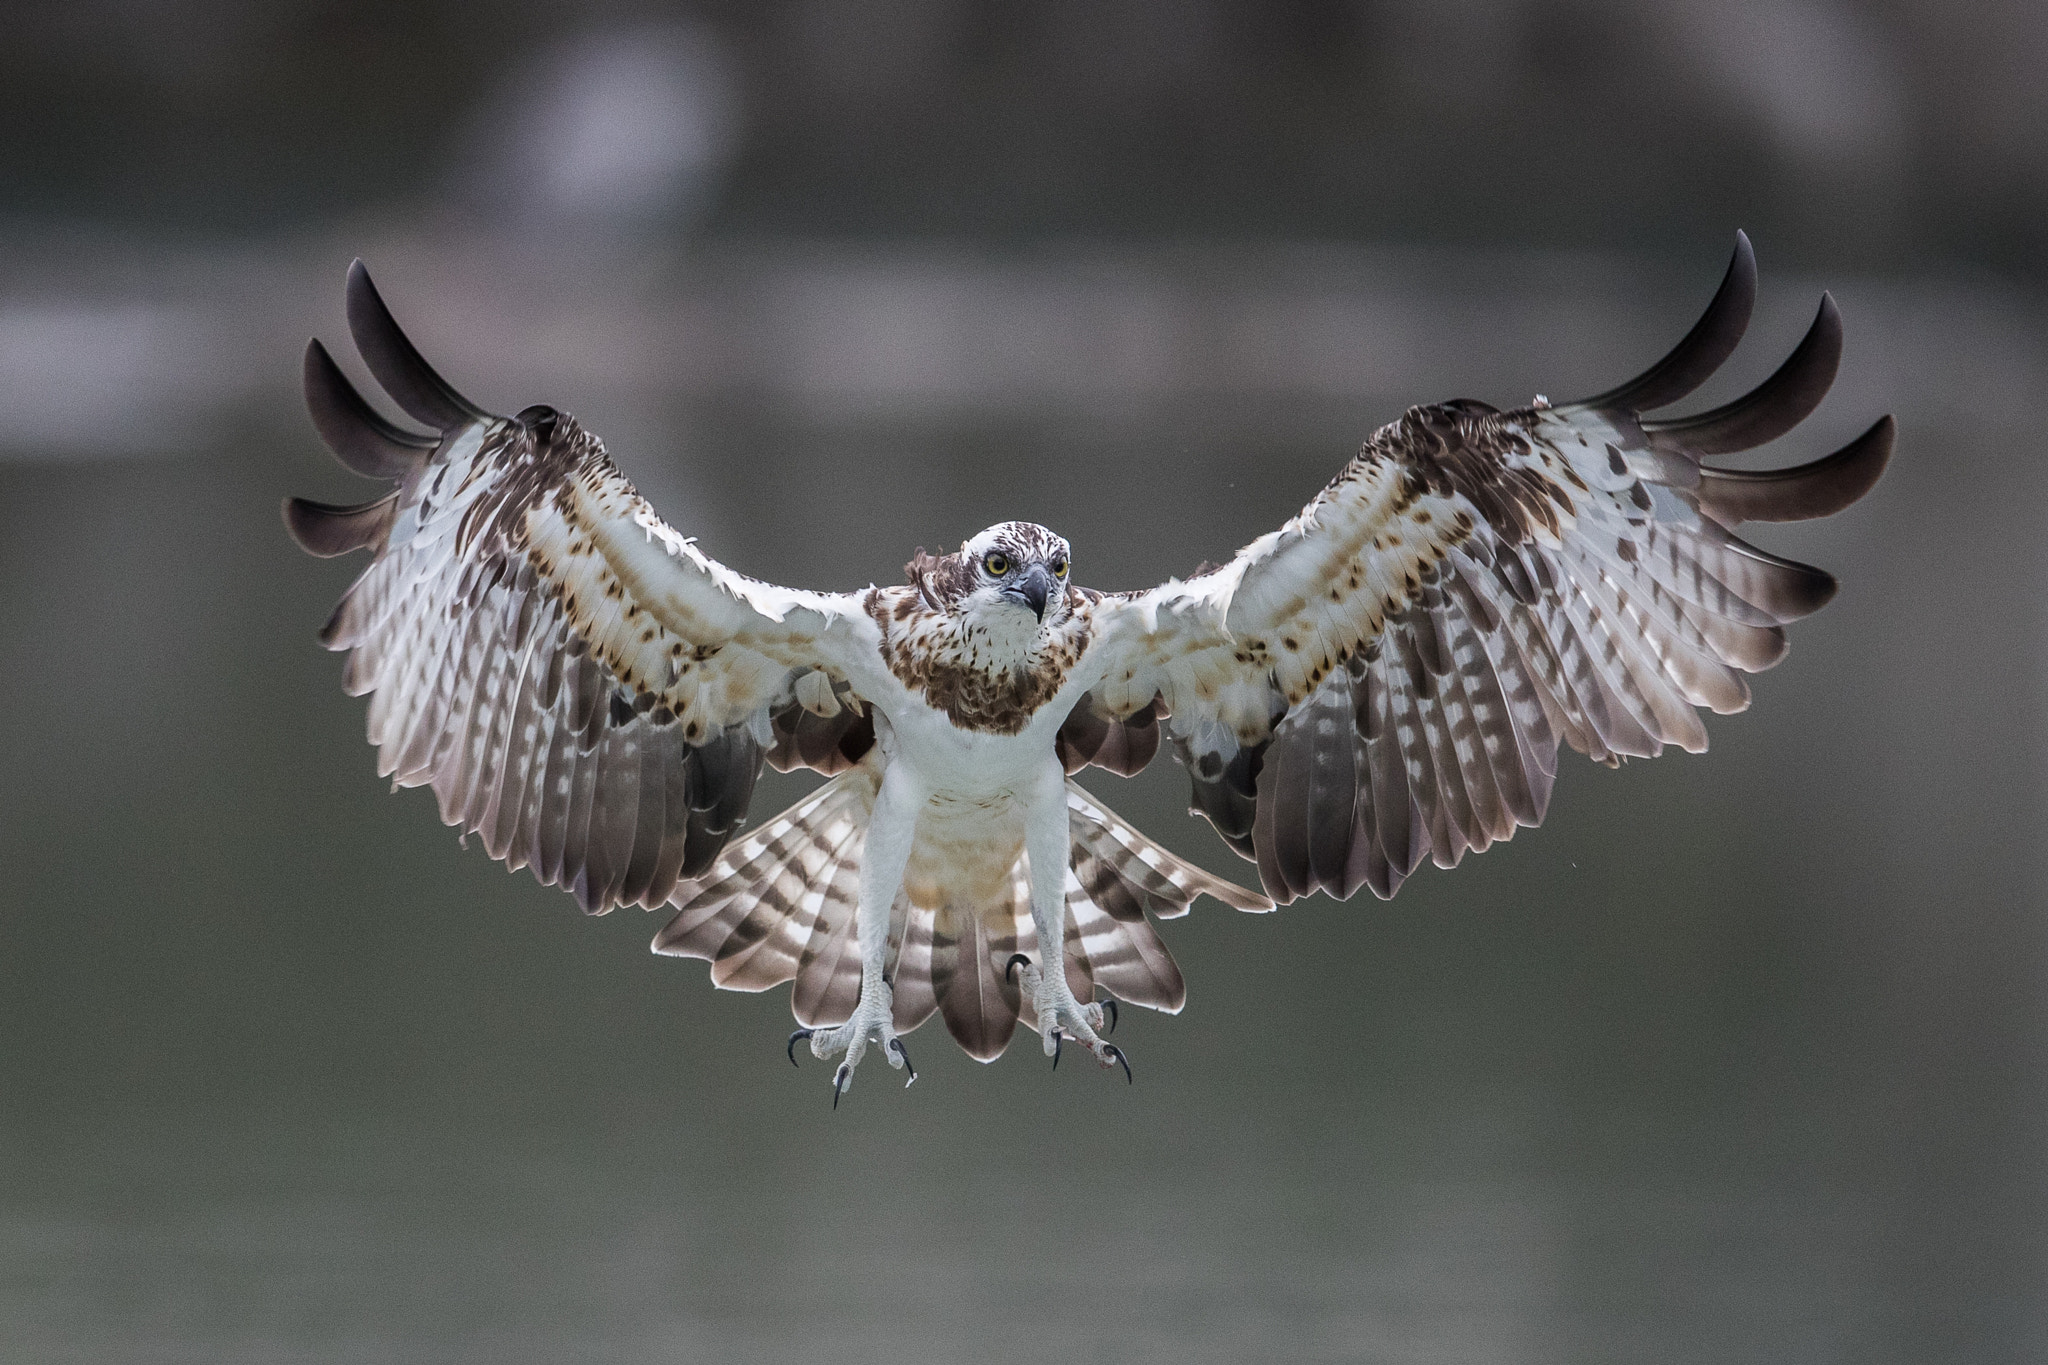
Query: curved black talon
(800, 1033)
(1109, 1008)
(904, 1053)
(1010, 967)
(839, 1080)
(1057, 1039)
(1113, 1050)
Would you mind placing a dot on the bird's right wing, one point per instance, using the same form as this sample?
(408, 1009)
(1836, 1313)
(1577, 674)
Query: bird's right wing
(582, 686)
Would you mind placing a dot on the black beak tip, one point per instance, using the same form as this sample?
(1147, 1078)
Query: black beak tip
(1033, 590)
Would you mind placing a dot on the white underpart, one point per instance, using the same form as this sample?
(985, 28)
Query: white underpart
(928, 758)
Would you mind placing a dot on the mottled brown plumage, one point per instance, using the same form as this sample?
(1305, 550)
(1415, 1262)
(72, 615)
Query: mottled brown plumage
(950, 659)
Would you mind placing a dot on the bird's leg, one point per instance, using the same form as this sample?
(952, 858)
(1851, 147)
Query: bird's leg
(884, 854)
(1061, 1017)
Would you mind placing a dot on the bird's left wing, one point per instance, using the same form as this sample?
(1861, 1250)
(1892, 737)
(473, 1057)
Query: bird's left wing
(1389, 675)
(582, 686)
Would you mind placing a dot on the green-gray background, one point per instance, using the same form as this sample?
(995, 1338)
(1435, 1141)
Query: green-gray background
(1740, 1058)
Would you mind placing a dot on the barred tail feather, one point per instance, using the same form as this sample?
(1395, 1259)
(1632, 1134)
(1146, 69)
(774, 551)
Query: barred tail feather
(1115, 876)
(776, 900)
(967, 972)
(779, 905)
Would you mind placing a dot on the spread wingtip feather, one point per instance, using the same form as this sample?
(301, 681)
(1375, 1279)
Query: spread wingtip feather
(1702, 350)
(1803, 492)
(399, 367)
(326, 530)
(360, 436)
(1770, 409)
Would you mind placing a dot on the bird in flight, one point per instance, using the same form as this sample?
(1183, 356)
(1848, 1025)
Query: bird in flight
(1385, 678)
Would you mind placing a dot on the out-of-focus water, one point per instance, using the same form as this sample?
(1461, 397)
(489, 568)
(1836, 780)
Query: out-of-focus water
(1739, 1058)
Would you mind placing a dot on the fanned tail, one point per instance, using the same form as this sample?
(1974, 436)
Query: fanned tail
(779, 905)
(1115, 875)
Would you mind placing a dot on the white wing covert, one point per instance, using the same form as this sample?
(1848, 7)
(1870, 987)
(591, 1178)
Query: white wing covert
(580, 685)
(1389, 675)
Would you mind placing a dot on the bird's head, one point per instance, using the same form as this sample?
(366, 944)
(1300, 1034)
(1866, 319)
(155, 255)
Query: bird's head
(1010, 580)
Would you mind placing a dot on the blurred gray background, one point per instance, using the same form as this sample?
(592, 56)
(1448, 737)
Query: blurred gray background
(1740, 1058)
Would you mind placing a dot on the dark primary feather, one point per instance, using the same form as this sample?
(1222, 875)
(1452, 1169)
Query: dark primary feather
(326, 530)
(397, 364)
(1803, 492)
(360, 436)
(1702, 350)
(1770, 409)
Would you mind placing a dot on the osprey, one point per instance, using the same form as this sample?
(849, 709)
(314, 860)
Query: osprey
(1385, 678)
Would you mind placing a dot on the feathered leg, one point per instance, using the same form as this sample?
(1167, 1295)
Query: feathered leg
(1048, 839)
(885, 853)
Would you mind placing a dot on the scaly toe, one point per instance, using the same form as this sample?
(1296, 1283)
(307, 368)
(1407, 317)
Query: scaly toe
(830, 1042)
(871, 1023)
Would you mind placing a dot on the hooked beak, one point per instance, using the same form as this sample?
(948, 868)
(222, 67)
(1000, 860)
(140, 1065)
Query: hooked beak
(1032, 590)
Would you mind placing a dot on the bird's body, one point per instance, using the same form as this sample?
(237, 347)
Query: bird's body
(1387, 677)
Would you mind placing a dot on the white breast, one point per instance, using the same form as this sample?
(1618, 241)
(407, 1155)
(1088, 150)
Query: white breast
(967, 763)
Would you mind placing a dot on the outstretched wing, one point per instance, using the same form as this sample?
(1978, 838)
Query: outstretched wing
(1389, 675)
(580, 685)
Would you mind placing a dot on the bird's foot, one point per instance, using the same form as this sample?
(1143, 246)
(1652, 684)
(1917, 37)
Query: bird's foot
(873, 1021)
(1063, 1019)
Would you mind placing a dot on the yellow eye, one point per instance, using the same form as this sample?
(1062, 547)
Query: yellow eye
(1059, 568)
(997, 565)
